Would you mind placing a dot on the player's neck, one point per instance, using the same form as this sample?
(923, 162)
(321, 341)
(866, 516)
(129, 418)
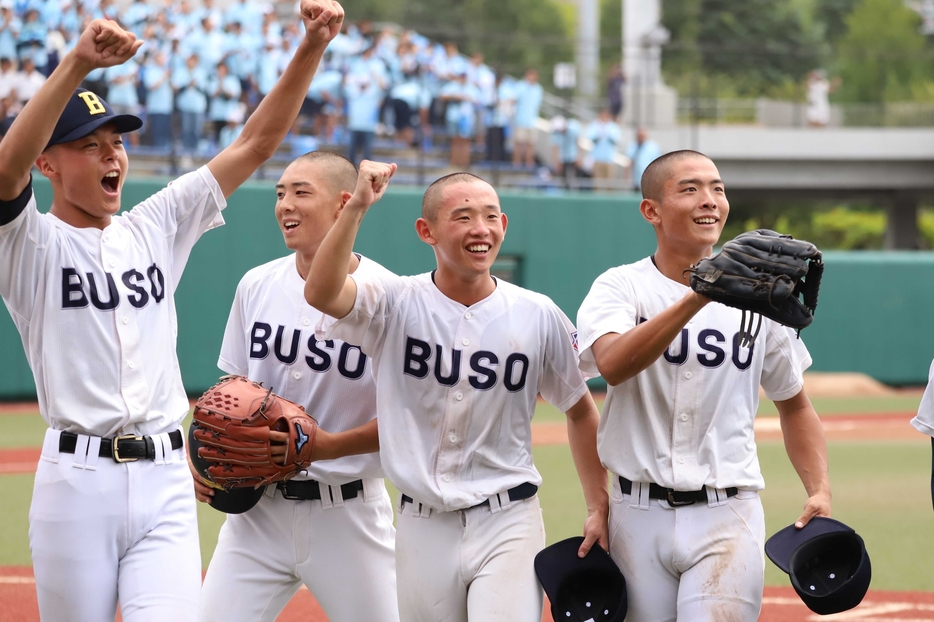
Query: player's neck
(467, 290)
(77, 217)
(672, 263)
(303, 263)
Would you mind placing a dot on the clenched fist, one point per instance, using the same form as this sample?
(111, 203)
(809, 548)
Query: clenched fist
(105, 44)
(323, 19)
(372, 181)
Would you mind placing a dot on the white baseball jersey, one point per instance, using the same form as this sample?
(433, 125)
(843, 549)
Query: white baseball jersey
(924, 421)
(270, 338)
(687, 420)
(456, 385)
(96, 310)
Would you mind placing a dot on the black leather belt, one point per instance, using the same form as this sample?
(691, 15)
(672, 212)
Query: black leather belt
(520, 492)
(126, 448)
(310, 490)
(673, 497)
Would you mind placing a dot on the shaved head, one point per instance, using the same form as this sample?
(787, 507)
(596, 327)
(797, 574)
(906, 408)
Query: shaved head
(659, 171)
(434, 195)
(340, 173)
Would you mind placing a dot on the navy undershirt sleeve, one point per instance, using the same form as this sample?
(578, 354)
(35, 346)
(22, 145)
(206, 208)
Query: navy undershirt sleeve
(9, 210)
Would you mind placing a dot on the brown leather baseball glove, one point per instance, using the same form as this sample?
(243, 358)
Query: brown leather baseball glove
(232, 424)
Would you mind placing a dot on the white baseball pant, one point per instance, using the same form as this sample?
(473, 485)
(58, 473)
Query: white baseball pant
(101, 530)
(694, 563)
(472, 564)
(343, 551)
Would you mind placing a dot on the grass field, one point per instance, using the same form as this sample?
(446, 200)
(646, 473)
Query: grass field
(880, 488)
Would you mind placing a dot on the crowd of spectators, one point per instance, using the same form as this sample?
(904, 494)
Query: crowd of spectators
(203, 70)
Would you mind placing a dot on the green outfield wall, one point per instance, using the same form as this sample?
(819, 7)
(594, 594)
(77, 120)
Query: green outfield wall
(555, 244)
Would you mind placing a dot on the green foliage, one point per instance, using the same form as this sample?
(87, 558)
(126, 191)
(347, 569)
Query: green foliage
(746, 47)
(926, 225)
(836, 228)
(882, 56)
(832, 15)
(512, 34)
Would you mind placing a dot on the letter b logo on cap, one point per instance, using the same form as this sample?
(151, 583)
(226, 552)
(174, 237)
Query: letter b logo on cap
(94, 104)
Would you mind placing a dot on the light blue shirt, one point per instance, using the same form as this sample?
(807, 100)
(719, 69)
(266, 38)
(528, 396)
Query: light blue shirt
(122, 93)
(135, 17)
(505, 108)
(463, 109)
(228, 135)
(641, 156)
(363, 106)
(528, 103)
(191, 97)
(326, 83)
(225, 94)
(159, 94)
(605, 137)
(566, 141)
(9, 32)
(267, 70)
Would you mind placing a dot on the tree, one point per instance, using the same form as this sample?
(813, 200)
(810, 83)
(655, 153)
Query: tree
(513, 35)
(882, 57)
(748, 49)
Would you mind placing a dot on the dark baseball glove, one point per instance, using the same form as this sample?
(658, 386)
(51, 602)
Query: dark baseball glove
(232, 423)
(763, 272)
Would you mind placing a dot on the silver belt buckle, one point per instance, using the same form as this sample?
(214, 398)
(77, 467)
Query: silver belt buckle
(116, 442)
(673, 503)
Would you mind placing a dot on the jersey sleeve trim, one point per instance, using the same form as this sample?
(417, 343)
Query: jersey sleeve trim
(10, 210)
(229, 368)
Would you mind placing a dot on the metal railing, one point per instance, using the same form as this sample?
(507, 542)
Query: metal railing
(779, 113)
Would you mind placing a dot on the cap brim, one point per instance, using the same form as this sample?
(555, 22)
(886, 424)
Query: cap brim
(124, 123)
(781, 546)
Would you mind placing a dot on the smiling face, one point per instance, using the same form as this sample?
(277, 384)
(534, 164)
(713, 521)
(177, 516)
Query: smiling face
(467, 228)
(306, 205)
(87, 177)
(691, 209)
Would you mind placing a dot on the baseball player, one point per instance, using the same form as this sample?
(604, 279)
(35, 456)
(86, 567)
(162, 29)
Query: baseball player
(686, 524)
(332, 527)
(459, 359)
(924, 421)
(92, 294)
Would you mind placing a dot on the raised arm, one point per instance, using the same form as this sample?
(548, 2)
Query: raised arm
(102, 44)
(807, 450)
(271, 121)
(328, 287)
(583, 419)
(619, 357)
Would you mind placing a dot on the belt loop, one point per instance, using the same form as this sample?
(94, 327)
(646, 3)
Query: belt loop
(167, 452)
(94, 450)
(50, 444)
(716, 497)
(159, 449)
(327, 498)
(496, 503)
(337, 495)
(644, 500)
(423, 510)
(81, 451)
(372, 489)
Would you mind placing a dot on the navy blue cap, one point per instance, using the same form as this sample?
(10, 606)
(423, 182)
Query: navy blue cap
(827, 562)
(236, 501)
(591, 588)
(84, 113)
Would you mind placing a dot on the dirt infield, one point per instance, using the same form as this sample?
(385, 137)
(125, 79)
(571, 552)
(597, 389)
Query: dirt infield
(780, 604)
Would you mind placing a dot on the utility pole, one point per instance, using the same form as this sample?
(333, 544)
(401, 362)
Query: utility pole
(588, 50)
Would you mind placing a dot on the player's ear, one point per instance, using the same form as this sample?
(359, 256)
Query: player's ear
(46, 166)
(345, 196)
(649, 210)
(505, 223)
(423, 228)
